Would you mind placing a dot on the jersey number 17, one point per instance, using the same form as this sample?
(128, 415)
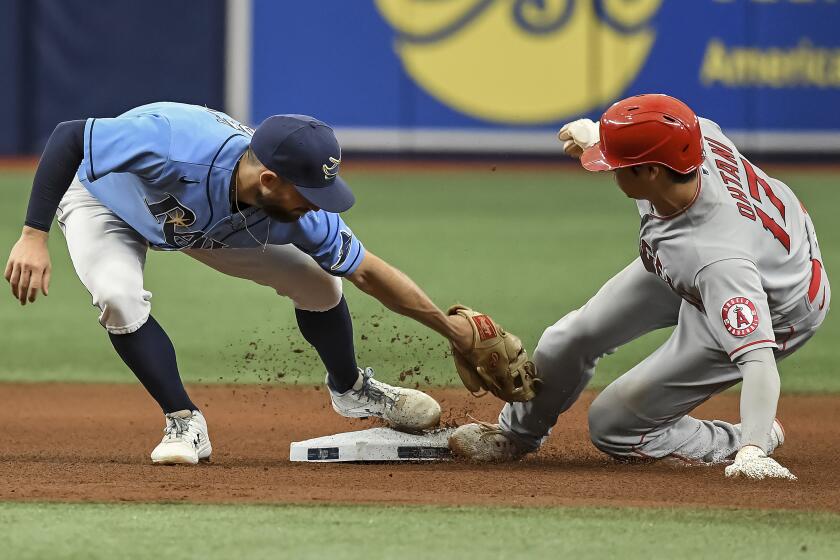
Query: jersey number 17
(757, 185)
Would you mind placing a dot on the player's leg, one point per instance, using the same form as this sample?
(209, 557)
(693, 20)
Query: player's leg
(109, 257)
(644, 412)
(320, 309)
(324, 321)
(629, 305)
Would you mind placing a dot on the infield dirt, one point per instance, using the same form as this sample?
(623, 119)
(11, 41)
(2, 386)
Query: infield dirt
(91, 442)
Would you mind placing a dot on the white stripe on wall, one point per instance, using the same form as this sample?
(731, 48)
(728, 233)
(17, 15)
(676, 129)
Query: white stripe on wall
(238, 60)
(419, 140)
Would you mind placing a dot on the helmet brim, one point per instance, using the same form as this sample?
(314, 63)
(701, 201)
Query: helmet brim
(594, 159)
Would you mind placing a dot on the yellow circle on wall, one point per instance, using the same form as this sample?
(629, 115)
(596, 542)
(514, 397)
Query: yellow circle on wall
(522, 61)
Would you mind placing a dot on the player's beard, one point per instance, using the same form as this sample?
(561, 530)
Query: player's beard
(278, 213)
(282, 215)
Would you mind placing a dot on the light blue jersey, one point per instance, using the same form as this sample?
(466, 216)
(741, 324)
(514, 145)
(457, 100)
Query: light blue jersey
(166, 170)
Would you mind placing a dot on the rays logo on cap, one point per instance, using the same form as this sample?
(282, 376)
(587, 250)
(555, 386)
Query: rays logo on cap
(739, 316)
(330, 171)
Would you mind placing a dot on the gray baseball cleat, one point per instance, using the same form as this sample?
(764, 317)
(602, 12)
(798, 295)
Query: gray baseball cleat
(404, 409)
(483, 443)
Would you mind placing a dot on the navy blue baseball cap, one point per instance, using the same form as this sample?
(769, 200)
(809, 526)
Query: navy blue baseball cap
(303, 150)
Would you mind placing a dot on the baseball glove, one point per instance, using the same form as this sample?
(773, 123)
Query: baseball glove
(497, 362)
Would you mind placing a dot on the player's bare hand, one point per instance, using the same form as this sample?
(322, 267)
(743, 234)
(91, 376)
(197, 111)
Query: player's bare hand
(578, 135)
(28, 268)
(751, 462)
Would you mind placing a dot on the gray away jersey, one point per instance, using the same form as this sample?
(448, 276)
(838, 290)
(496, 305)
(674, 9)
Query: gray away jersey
(744, 252)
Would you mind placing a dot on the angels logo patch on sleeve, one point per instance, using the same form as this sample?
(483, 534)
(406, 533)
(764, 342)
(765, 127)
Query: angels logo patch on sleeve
(739, 316)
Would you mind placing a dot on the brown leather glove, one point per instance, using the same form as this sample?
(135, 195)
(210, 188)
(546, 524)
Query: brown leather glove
(497, 362)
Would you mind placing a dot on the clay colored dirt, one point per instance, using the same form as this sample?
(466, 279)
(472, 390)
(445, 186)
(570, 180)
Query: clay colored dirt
(89, 442)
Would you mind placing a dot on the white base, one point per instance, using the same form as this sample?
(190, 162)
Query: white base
(376, 444)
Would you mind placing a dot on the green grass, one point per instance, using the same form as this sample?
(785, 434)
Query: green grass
(64, 531)
(524, 246)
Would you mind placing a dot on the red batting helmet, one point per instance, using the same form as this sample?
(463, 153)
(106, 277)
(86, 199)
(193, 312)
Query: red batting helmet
(652, 128)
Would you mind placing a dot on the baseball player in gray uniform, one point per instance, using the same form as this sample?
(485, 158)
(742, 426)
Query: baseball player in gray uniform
(727, 254)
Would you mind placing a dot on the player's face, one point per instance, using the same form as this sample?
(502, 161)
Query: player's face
(628, 182)
(280, 199)
(635, 182)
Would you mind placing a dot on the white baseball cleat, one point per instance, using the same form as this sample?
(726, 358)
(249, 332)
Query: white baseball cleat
(777, 435)
(185, 439)
(404, 409)
(483, 443)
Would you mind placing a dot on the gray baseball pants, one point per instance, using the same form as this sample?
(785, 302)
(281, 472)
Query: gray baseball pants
(644, 413)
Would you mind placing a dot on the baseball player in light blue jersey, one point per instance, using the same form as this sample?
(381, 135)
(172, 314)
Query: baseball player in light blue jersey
(258, 204)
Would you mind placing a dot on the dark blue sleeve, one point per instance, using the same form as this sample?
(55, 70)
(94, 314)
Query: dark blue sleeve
(60, 161)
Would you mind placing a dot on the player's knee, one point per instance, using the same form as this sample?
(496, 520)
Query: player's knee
(320, 294)
(124, 310)
(607, 428)
(615, 426)
(601, 423)
(569, 334)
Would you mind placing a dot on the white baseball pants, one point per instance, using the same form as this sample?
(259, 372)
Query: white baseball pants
(109, 257)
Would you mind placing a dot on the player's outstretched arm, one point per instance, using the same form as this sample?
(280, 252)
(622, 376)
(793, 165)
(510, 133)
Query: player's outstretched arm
(400, 294)
(759, 399)
(486, 356)
(722, 284)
